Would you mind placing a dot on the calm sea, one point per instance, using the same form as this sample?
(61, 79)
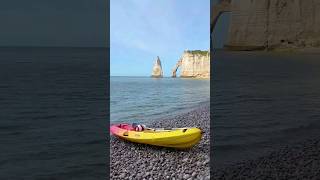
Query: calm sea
(53, 113)
(141, 99)
(263, 101)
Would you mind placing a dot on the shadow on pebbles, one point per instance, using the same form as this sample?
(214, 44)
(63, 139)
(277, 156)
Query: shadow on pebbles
(138, 161)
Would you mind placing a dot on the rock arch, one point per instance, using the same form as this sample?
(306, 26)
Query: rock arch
(175, 69)
(217, 10)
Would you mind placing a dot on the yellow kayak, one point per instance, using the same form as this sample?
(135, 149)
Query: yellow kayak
(180, 138)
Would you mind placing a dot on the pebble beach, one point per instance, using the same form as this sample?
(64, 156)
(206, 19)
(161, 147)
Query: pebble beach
(300, 161)
(137, 161)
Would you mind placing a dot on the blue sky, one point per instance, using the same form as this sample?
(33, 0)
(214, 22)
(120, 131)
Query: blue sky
(141, 30)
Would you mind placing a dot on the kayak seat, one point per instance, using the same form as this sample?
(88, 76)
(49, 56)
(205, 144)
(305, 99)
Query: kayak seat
(138, 127)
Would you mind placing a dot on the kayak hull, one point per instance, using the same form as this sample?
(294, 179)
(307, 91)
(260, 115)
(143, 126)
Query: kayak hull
(180, 138)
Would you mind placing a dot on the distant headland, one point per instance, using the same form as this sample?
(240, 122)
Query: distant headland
(192, 64)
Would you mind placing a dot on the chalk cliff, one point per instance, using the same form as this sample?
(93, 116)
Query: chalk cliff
(193, 64)
(157, 69)
(273, 24)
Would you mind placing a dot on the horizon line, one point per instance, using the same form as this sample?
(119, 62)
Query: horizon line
(139, 76)
(21, 46)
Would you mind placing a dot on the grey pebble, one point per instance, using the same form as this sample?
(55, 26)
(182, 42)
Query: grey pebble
(186, 176)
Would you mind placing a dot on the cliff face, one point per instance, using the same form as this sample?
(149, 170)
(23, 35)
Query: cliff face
(274, 24)
(157, 69)
(193, 64)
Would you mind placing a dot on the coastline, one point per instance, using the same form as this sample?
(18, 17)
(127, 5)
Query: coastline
(138, 161)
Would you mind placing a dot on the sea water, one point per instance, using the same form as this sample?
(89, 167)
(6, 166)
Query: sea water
(143, 99)
(262, 101)
(53, 113)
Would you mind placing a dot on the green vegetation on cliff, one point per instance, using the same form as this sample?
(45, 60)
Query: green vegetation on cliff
(203, 53)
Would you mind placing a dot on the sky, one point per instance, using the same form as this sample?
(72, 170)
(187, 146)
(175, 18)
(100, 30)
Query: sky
(141, 30)
(76, 23)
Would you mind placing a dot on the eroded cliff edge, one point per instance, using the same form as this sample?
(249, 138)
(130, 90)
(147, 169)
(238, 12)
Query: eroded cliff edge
(274, 25)
(193, 64)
